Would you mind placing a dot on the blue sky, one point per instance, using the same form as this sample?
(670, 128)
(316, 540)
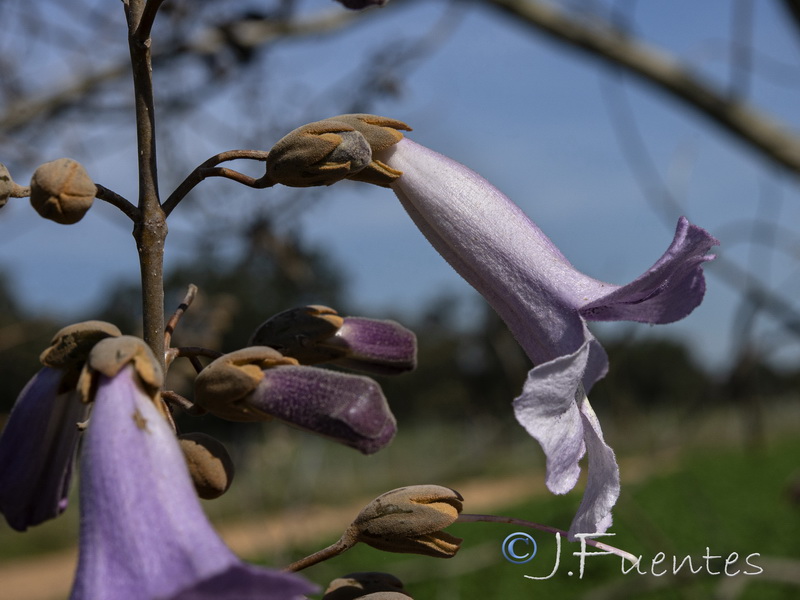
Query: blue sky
(529, 116)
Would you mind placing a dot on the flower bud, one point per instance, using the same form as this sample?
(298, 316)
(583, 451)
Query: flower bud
(6, 185)
(327, 151)
(316, 334)
(225, 385)
(110, 355)
(298, 332)
(411, 519)
(210, 465)
(365, 585)
(258, 384)
(62, 191)
(71, 345)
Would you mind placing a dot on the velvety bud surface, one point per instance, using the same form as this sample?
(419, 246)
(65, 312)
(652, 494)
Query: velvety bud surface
(376, 347)
(350, 409)
(37, 451)
(411, 519)
(62, 191)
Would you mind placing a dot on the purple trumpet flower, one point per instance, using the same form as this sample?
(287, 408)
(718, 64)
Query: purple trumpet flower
(545, 302)
(37, 450)
(143, 532)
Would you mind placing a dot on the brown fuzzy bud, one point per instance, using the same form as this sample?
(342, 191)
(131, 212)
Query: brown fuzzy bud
(297, 332)
(358, 585)
(62, 191)
(410, 519)
(112, 354)
(223, 387)
(71, 345)
(210, 465)
(327, 151)
(6, 185)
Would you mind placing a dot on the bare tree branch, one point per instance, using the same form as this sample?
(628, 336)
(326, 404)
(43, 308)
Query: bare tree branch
(243, 33)
(769, 137)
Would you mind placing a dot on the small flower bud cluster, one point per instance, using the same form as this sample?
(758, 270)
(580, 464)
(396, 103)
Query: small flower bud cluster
(274, 377)
(62, 191)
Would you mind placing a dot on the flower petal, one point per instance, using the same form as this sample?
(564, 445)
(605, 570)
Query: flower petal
(143, 532)
(602, 485)
(350, 409)
(37, 451)
(376, 347)
(547, 410)
(670, 290)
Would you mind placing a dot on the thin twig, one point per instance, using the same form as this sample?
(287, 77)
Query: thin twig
(147, 19)
(187, 405)
(169, 329)
(347, 541)
(206, 170)
(20, 191)
(110, 196)
(192, 352)
(771, 138)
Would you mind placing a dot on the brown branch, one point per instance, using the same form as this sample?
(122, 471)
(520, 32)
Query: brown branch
(242, 33)
(206, 169)
(110, 196)
(176, 316)
(147, 19)
(150, 231)
(770, 138)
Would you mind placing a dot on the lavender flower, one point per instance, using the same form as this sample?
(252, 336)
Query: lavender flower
(39, 442)
(143, 532)
(545, 302)
(37, 451)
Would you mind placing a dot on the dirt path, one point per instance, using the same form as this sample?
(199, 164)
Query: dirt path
(49, 577)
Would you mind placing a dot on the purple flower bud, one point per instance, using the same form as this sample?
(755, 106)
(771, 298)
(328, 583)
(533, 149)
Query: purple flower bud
(40, 439)
(316, 334)
(37, 451)
(257, 384)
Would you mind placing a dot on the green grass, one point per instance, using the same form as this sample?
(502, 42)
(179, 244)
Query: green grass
(711, 493)
(726, 500)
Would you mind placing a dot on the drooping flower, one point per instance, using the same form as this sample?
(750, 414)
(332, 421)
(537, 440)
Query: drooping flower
(143, 532)
(39, 442)
(258, 383)
(546, 302)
